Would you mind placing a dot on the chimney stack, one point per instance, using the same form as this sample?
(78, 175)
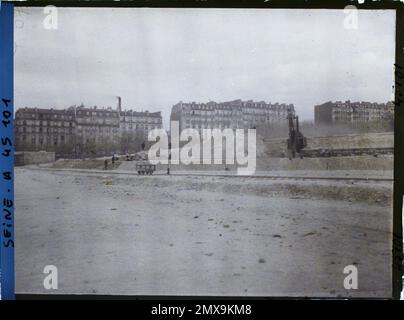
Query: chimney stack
(119, 104)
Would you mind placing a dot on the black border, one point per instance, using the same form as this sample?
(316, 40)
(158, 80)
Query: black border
(281, 4)
(398, 187)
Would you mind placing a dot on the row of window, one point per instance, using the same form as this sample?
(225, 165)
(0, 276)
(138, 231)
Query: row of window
(44, 123)
(97, 114)
(41, 129)
(141, 126)
(44, 116)
(234, 112)
(94, 130)
(245, 119)
(43, 139)
(138, 120)
(358, 119)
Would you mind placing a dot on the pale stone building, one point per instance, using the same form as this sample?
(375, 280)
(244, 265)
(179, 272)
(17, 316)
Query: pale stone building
(82, 130)
(235, 114)
(353, 113)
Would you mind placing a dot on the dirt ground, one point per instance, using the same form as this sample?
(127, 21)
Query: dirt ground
(202, 235)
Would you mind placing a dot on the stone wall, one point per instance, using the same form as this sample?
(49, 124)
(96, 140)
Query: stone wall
(277, 147)
(22, 158)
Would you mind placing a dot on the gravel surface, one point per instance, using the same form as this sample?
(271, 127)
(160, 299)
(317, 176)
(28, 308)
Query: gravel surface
(179, 235)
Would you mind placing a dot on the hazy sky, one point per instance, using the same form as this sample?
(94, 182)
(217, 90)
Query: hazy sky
(153, 58)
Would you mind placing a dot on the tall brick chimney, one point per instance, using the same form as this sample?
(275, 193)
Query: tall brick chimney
(119, 104)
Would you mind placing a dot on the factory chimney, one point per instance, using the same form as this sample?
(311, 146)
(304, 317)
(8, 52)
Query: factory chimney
(119, 104)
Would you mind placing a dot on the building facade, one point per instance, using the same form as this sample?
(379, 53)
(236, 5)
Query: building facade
(235, 114)
(354, 114)
(139, 123)
(82, 130)
(97, 125)
(43, 129)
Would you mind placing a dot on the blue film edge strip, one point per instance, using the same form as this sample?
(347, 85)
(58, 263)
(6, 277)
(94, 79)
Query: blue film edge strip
(7, 151)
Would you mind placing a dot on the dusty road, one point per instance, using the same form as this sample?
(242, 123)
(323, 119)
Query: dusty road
(178, 235)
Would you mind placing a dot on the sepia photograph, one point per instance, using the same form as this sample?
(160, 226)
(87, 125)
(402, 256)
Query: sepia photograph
(204, 152)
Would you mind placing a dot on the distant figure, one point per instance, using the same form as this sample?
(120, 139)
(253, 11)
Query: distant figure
(105, 164)
(113, 159)
(168, 170)
(143, 145)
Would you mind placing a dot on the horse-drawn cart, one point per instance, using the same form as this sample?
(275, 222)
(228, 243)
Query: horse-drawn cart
(145, 167)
